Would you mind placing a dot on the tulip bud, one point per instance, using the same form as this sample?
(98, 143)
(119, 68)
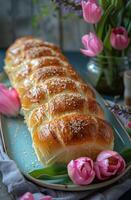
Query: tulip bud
(108, 164)
(93, 45)
(9, 101)
(129, 124)
(81, 171)
(27, 196)
(92, 12)
(119, 38)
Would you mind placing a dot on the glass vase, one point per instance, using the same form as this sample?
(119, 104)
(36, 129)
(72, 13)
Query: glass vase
(105, 73)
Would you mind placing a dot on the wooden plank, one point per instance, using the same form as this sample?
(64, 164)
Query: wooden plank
(21, 17)
(5, 23)
(74, 29)
(47, 29)
(16, 20)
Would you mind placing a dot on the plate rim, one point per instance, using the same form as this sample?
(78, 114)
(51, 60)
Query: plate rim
(114, 115)
(78, 188)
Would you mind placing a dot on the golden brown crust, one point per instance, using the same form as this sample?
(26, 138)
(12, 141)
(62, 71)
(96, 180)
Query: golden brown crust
(67, 103)
(37, 116)
(32, 97)
(74, 130)
(61, 111)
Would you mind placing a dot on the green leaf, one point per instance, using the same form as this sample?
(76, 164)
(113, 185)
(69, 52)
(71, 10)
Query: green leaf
(107, 39)
(104, 4)
(56, 173)
(47, 177)
(53, 170)
(109, 76)
(101, 24)
(35, 20)
(45, 11)
(35, 1)
(61, 180)
(129, 28)
(119, 5)
(128, 4)
(129, 131)
(126, 154)
(110, 16)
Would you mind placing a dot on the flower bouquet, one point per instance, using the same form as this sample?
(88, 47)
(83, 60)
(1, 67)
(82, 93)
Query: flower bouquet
(108, 44)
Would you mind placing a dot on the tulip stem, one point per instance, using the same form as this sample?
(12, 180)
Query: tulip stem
(101, 73)
(94, 28)
(123, 53)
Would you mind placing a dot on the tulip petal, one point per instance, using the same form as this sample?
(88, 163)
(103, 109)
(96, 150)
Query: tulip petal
(81, 171)
(27, 196)
(93, 45)
(88, 52)
(108, 164)
(92, 12)
(85, 40)
(9, 101)
(119, 38)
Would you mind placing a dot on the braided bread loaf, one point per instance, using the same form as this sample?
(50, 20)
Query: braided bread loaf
(60, 110)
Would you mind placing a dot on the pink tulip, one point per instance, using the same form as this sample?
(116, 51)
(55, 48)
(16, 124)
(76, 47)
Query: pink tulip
(93, 45)
(119, 38)
(108, 164)
(27, 196)
(9, 101)
(129, 124)
(92, 12)
(81, 171)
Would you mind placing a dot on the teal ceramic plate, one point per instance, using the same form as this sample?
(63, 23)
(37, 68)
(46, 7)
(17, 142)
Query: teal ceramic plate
(18, 145)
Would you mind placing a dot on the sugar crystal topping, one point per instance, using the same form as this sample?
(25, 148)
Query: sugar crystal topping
(77, 125)
(24, 70)
(35, 91)
(39, 51)
(50, 59)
